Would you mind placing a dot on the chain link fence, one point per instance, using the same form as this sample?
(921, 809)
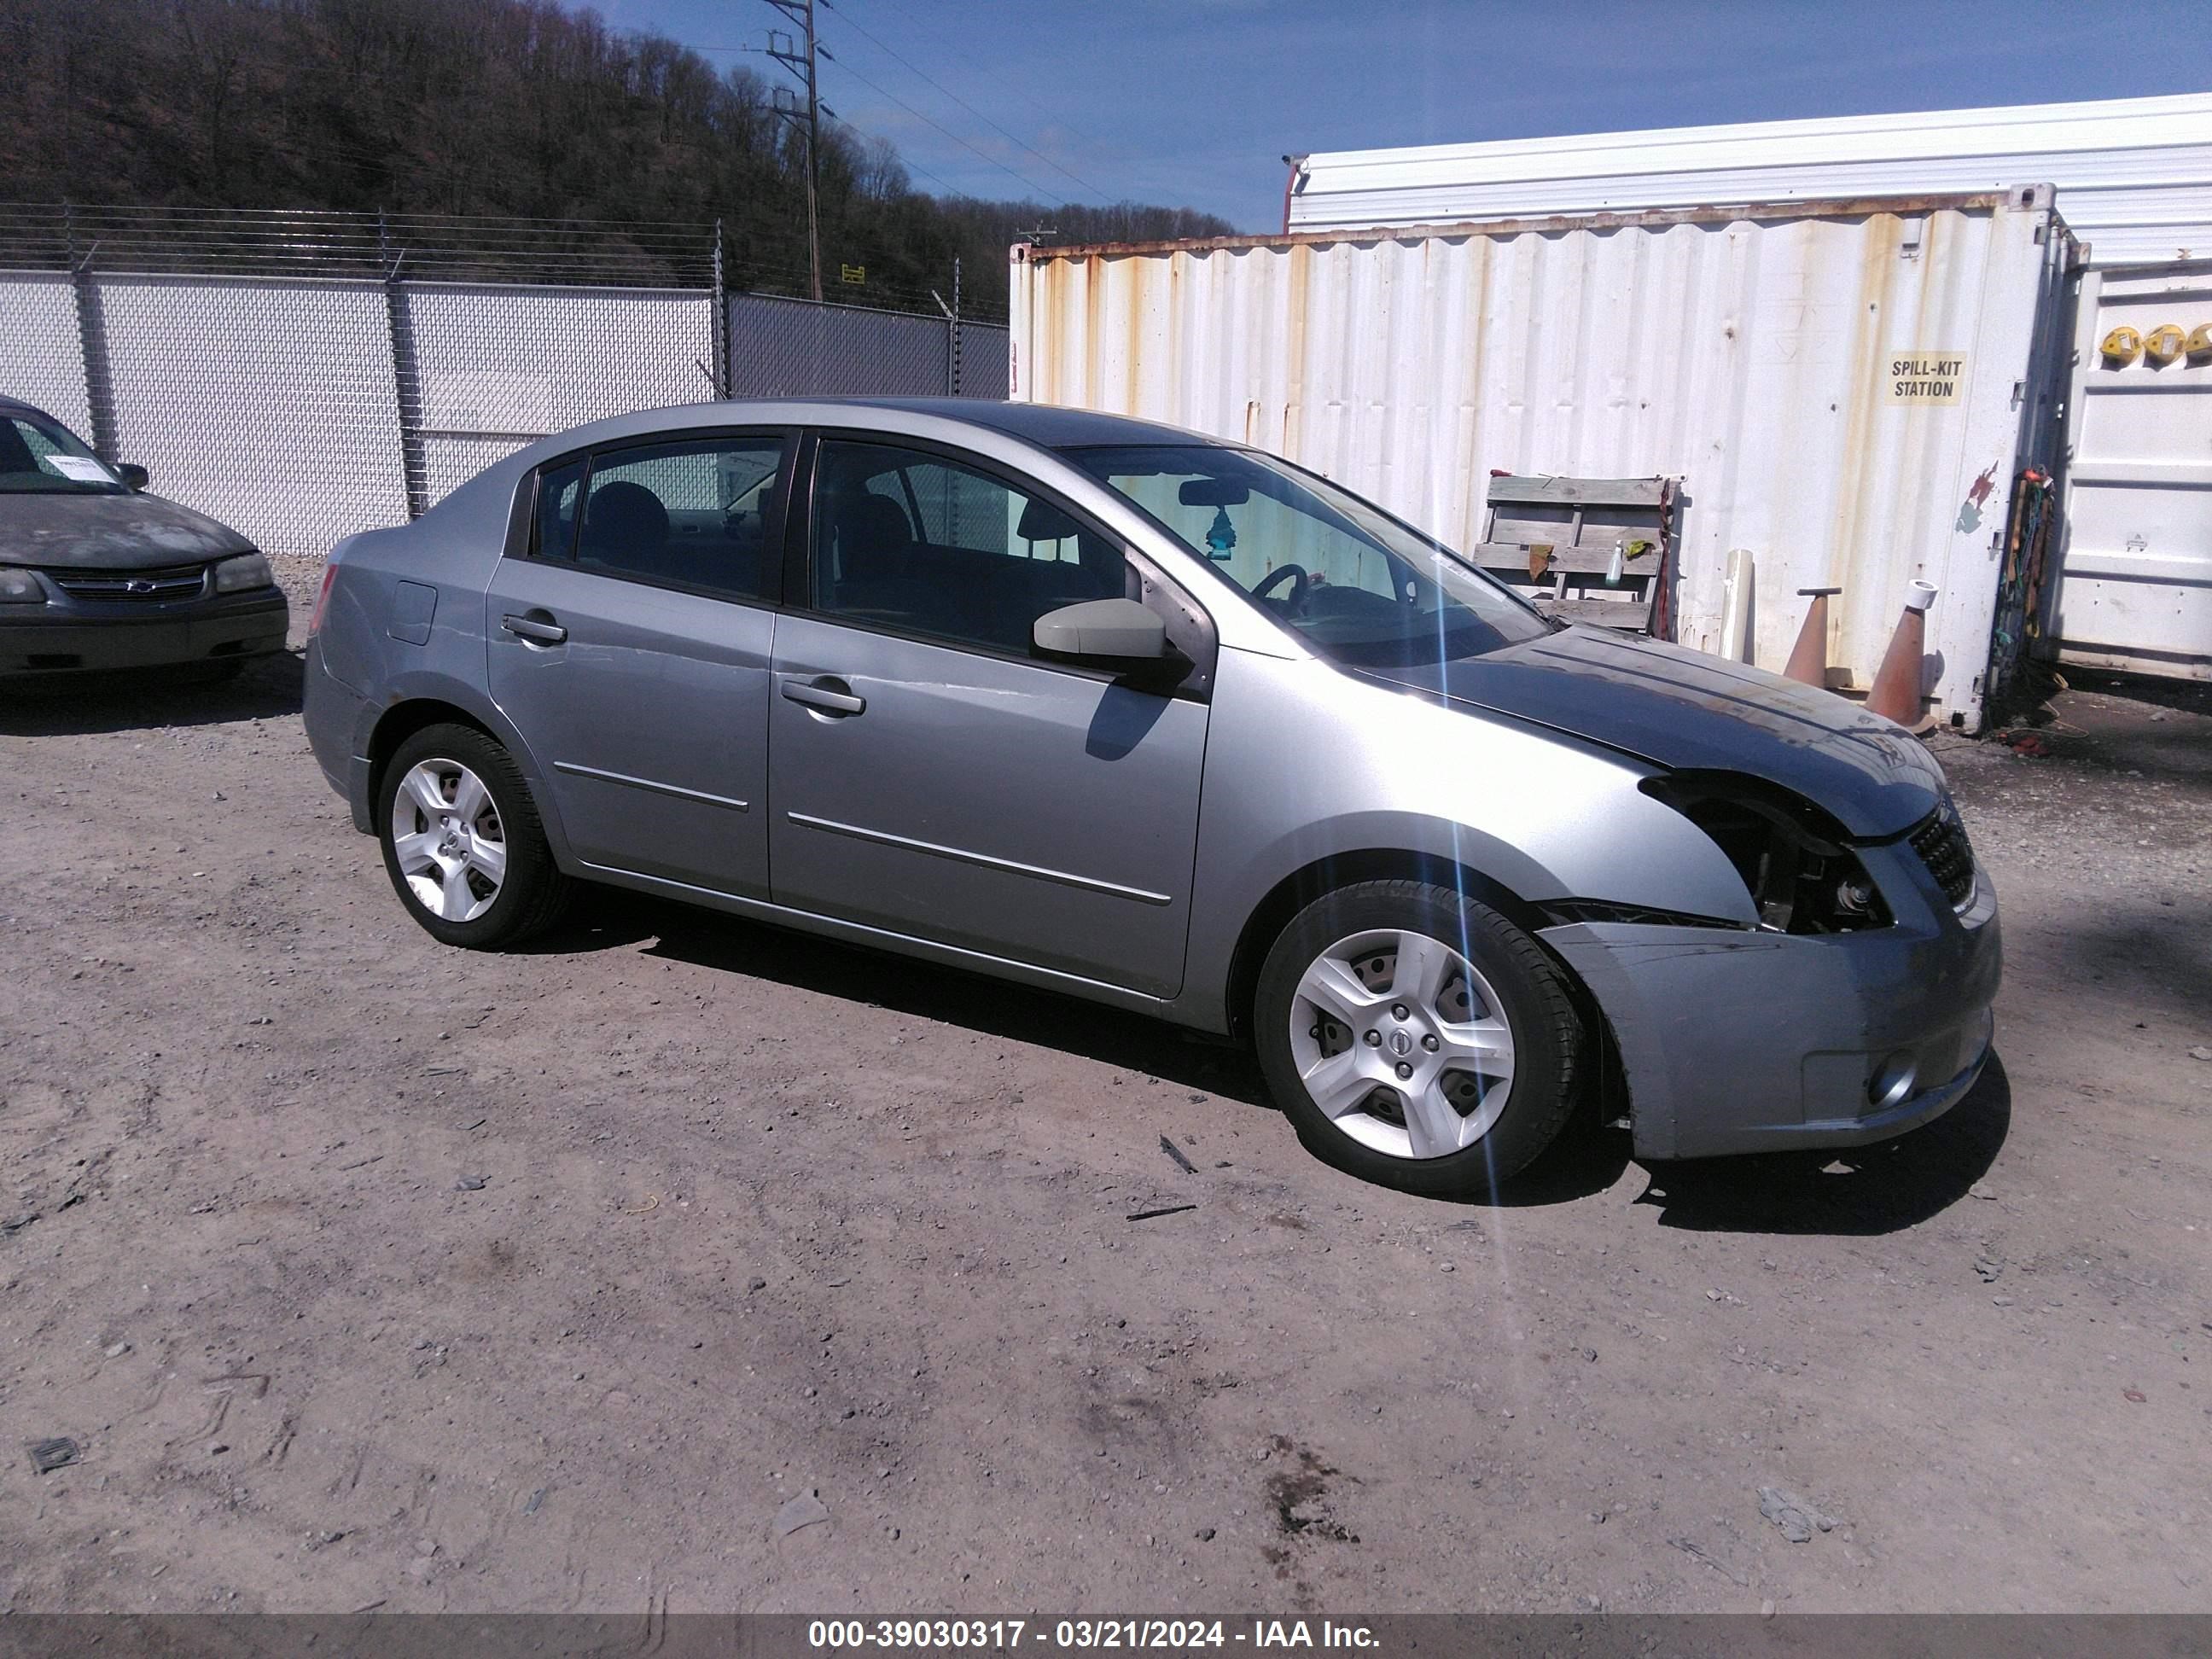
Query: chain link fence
(498, 367)
(267, 405)
(41, 358)
(304, 376)
(782, 348)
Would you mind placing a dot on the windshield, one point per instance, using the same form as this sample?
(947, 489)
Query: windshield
(38, 457)
(1358, 585)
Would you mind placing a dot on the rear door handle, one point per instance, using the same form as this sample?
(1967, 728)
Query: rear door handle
(827, 693)
(543, 632)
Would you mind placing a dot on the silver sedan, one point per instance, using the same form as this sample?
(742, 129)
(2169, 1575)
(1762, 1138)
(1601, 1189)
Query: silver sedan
(1173, 724)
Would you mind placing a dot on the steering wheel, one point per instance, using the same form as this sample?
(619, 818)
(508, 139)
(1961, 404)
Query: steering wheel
(1299, 583)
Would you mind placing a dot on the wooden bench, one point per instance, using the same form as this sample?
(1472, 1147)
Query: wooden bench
(1585, 550)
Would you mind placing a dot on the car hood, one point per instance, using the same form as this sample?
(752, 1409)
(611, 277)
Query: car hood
(1681, 709)
(109, 532)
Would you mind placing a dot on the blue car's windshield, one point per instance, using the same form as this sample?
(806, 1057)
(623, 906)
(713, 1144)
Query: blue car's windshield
(1358, 585)
(38, 456)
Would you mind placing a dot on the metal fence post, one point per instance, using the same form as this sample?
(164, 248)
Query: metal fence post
(406, 375)
(721, 332)
(955, 387)
(92, 342)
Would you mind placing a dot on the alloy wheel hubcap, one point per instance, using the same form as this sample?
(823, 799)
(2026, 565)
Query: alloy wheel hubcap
(447, 835)
(1403, 1043)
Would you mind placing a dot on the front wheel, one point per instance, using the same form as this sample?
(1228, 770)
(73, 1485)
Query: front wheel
(1416, 1038)
(463, 843)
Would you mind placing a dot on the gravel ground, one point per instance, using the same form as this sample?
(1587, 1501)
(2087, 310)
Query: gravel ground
(366, 1272)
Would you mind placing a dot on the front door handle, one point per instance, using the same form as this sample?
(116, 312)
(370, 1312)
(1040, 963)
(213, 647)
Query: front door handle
(826, 692)
(537, 628)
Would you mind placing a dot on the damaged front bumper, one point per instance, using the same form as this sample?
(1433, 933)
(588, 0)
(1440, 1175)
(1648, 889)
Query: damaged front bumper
(1736, 1041)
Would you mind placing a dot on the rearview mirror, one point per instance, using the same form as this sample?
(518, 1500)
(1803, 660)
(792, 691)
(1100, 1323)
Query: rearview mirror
(1212, 492)
(132, 474)
(1101, 631)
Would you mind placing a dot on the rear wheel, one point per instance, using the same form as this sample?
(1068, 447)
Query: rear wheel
(463, 843)
(1416, 1038)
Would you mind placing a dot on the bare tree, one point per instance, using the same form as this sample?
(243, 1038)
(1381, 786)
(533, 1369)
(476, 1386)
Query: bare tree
(480, 107)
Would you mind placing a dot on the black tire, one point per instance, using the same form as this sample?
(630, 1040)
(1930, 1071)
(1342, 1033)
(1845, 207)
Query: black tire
(1533, 999)
(533, 892)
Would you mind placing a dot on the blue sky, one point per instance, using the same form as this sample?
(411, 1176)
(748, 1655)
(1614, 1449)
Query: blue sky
(1194, 102)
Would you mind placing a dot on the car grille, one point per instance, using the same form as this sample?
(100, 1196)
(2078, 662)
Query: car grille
(1941, 842)
(177, 581)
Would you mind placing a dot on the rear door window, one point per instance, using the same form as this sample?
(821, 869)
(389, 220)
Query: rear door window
(701, 513)
(553, 533)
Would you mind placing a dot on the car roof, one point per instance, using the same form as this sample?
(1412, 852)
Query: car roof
(1049, 425)
(1045, 427)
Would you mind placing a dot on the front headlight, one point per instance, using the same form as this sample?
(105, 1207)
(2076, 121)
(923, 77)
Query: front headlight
(20, 588)
(1792, 855)
(246, 570)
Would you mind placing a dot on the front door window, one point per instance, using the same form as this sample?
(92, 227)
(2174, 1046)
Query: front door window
(912, 541)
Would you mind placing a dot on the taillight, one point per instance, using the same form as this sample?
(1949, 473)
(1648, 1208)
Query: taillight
(322, 600)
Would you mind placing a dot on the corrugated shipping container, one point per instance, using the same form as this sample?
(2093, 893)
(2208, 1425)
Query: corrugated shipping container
(1756, 355)
(2134, 183)
(2134, 175)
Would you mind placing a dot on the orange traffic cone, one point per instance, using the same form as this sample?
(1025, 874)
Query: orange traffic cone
(1896, 693)
(1808, 658)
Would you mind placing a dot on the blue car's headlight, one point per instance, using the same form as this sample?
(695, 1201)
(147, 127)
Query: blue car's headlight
(20, 588)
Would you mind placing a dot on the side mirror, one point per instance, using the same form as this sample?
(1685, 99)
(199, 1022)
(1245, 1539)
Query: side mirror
(131, 474)
(1106, 633)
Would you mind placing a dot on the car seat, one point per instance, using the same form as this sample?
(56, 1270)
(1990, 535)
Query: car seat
(873, 557)
(625, 527)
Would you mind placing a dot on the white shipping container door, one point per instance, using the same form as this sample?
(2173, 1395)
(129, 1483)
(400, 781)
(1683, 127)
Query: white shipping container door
(1846, 392)
(2135, 591)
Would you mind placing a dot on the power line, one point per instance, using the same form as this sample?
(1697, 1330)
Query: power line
(917, 167)
(907, 161)
(862, 132)
(1014, 85)
(846, 14)
(1025, 179)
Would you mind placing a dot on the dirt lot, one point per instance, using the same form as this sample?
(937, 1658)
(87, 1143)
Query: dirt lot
(761, 1216)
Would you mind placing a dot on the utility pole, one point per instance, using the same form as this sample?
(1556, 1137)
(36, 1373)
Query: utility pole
(800, 63)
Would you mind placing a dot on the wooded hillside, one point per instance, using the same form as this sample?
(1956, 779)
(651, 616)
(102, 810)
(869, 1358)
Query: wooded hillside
(482, 107)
